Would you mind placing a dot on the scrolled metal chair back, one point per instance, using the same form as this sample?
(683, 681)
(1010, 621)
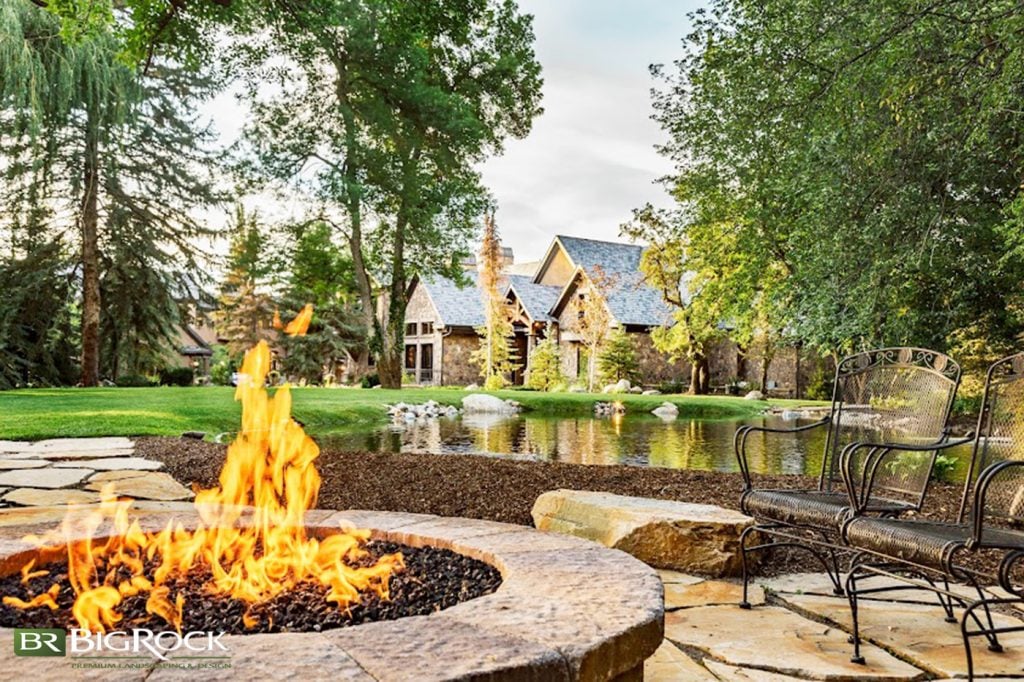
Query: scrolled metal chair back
(892, 395)
(1001, 438)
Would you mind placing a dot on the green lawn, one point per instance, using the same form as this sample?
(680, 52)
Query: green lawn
(47, 413)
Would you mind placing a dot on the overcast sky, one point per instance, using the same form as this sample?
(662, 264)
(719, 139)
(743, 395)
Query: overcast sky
(590, 158)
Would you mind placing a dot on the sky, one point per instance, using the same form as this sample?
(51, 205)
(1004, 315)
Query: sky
(590, 158)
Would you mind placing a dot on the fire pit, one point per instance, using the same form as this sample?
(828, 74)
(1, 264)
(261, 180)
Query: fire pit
(272, 585)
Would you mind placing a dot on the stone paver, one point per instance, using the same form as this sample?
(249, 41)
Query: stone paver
(83, 444)
(669, 664)
(709, 593)
(153, 485)
(774, 639)
(34, 497)
(697, 538)
(24, 463)
(918, 633)
(730, 673)
(115, 463)
(70, 454)
(116, 475)
(670, 577)
(43, 478)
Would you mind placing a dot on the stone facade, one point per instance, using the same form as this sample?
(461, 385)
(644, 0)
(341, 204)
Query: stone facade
(457, 367)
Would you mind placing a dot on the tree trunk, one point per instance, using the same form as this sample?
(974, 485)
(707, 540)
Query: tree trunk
(700, 375)
(89, 219)
(766, 360)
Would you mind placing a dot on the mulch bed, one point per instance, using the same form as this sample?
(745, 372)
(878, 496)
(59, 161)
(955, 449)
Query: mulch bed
(433, 579)
(502, 489)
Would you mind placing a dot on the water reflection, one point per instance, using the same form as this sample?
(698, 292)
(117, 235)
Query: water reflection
(639, 440)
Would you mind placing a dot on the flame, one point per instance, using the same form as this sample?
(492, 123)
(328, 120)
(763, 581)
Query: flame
(300, 324)
(269, 477)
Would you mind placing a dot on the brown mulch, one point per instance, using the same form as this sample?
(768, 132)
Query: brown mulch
(499, 489)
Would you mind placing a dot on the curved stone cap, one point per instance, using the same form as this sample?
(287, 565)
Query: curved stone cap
(567, 609)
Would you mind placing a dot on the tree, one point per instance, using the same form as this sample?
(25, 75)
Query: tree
(90, 144)
(494, 356)
(617, 360)
(385, 109)
(860, 159)
(321, 274)
(590, 318)
(545, 372)
(244, 316)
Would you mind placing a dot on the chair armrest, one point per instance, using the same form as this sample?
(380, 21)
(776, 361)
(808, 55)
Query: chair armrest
(981, 492)
(878, 453)
(739, 443)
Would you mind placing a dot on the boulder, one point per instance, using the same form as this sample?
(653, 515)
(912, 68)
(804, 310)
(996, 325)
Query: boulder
(481, 403)
(576, 388)
(636, 390)
(652, 391)
(754, 395)
(666, 410)
(473, 387)
(693, 538)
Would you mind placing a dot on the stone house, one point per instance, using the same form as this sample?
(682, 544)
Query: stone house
(442, 318)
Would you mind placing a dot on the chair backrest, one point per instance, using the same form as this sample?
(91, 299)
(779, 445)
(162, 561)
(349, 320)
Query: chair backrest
(893, 395)
(1000, 437)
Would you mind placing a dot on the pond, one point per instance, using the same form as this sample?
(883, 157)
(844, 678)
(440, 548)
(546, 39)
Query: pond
(639, 440)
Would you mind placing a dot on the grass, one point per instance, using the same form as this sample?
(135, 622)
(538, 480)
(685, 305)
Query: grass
(33, 414)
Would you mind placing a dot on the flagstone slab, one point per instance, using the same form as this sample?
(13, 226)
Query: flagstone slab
(83, 444)
(13, 445)
(56, 454)
(114, 463)
(43, 478)
(154, 485)
(820, 584)
(683, 536)
(773, 639)
(35, 497)
(730, 673)
(116, 475)
(708, 593)
(669, 664)
(23, 463)
(919, 633)
(670, 577)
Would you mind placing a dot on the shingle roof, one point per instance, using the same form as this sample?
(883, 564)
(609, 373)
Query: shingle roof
(537, 299)
(457, 306)
(631, 300)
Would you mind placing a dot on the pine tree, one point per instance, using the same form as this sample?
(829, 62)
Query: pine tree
(617, 360)
(590, 317)
(495, 355)
(545, 366)
(246, 310)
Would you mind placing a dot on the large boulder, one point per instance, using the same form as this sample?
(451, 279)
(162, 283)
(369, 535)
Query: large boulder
(666, 410)
(693, 538)
(481, 403)
(754, 395)
(620, 386)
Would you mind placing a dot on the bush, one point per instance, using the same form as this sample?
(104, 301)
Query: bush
(545, 366)
(370, 380)
(495, 382)
(671, 387)
(222, 366)
(177, 376)
(617, 360)
(133, 381)
(967, 405)
(819, 386)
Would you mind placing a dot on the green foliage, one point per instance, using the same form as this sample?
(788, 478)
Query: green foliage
(848, 171)
(177, 376)
(369, 381)
(246, 311)
(618, 359)
(495, 382)
(819, 386)
(495, 356)
(222, 366)
(545, 372)
(133, 381)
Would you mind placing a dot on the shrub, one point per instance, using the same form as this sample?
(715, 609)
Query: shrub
(495, 382)
(177, 376)
(370, 380)
(819, 386)
(222, 366)
(671, 387)
(545, 366)
(133, 381)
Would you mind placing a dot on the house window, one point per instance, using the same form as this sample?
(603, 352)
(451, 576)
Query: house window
(410, 329)
(426, 328)
(426, 363)
(410, 358)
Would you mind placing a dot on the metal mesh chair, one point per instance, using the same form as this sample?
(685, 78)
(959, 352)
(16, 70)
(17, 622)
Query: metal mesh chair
(920, 553)
(886, 426)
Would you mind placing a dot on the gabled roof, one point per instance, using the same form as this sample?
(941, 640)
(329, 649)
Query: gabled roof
(631, 300)
(537, 299)
(456, 306)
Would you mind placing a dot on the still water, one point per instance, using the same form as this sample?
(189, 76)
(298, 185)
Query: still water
(639, 440)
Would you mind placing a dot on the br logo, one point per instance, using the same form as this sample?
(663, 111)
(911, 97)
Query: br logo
(40, 642)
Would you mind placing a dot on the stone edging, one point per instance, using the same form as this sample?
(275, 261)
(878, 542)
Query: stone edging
(567, 609)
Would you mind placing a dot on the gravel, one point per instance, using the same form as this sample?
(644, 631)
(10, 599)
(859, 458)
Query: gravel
(433, 579)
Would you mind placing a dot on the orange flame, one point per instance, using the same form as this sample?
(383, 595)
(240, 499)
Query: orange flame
(269, 476)
(300, 324)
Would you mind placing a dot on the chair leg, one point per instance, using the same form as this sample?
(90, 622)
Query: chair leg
(989, 631)
(747, 532)
(851, 595)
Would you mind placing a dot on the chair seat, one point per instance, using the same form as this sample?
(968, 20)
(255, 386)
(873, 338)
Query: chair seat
(926, 543)
(813, 508)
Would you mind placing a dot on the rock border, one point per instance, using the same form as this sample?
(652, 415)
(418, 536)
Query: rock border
(567, 609)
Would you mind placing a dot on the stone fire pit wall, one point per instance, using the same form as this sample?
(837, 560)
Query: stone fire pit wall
(567, 609)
